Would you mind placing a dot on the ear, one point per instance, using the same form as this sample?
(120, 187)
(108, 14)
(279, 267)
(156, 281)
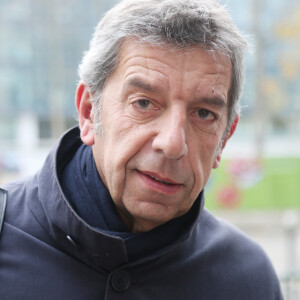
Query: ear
(231, 132)
(85, 114)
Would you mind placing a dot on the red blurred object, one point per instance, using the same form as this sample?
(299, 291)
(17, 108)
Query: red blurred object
(229, 197)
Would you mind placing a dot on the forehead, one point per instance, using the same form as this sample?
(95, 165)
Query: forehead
(179, 70)
(133, 51)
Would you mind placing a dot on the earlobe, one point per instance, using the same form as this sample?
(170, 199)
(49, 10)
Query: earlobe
(217, 160)
(224, 141)
(85, 114)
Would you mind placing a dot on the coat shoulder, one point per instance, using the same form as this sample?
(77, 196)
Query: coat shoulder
(24, 211)
(235, 258)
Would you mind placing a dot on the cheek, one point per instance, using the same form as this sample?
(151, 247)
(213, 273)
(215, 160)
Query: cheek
(126, 142)
(202, 159)
(120, 147)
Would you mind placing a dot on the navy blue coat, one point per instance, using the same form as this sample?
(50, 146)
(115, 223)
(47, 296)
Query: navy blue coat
(48, 252)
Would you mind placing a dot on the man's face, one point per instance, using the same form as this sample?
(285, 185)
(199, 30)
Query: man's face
(164, 114)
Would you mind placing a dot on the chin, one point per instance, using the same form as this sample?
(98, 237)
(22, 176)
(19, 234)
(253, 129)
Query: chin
(150, 217)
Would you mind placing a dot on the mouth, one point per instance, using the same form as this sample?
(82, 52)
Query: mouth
(161, 181)
(159, 184)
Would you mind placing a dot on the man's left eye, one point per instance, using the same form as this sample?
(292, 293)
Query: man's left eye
(204, 114)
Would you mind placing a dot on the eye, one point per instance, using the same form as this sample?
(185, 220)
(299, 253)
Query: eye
(142, 104)
(204, 114)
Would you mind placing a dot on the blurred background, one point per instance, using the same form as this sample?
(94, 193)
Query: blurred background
(257, 186)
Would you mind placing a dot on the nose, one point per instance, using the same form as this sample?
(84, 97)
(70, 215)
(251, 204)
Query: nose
(171, 136)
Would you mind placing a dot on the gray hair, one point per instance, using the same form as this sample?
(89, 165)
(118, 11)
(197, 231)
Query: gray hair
(175, 23)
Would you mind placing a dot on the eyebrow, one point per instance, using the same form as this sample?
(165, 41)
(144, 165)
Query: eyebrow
(215, 101)
(136, 82)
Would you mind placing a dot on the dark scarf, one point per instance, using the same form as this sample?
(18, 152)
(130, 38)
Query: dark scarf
(91, 200)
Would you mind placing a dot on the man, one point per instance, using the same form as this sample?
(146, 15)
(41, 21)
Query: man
(118, 213)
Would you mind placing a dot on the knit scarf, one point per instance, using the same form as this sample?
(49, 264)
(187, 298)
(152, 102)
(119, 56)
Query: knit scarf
(91, 200)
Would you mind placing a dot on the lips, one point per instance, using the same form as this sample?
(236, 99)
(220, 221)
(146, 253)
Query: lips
(159, 184)
(161, 181)
(160, 178)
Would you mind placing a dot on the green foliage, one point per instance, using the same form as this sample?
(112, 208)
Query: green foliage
(272, 184)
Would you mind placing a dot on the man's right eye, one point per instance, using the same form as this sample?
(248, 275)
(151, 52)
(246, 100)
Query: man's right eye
(142, 104)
